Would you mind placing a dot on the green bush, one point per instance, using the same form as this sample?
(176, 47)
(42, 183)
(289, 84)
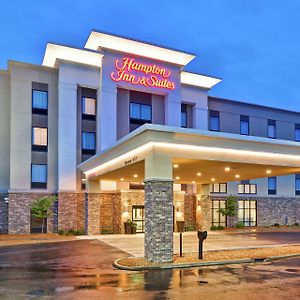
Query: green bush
(214, 227)
(107, 231)
(240, 225)
(276, 224)
(71, 232)
(189, 228)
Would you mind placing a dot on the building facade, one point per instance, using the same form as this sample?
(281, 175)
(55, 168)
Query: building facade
(59, 118)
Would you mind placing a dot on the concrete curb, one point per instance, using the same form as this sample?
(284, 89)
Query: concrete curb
(201, 264)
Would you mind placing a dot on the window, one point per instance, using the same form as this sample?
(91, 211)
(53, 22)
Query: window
(217, 218)
(214, 120)
(88, 142)
(246, 188)
(38, 176)
(39, 139)
(220, 188)
(140, 111)
(39, 102)
(272, 185)
(88, 108)
(272, 129)
(244, 125)
(184, 115)
(297, 132)
(247, 212)
(297, 184)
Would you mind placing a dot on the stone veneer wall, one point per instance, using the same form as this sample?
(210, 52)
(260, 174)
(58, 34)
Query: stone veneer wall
(110, 213)
(190, 206)
(272, 210)
(71, 211)
(3, 214)
(203, 212)
(93, 213)
(19, 212)
(159, 221)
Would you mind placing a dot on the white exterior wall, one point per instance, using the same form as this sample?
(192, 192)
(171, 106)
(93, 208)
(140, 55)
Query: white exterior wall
(70, 76)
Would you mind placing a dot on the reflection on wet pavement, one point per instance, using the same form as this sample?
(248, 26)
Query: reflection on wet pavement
(72, 270)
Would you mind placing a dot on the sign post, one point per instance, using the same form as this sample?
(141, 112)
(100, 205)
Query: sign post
(202, 235)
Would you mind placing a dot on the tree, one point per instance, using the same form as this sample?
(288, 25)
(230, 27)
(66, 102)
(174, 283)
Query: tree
(41, 208)
(230, 209)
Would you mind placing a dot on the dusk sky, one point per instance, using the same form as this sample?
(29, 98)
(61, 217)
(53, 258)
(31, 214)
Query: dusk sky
(254, 46)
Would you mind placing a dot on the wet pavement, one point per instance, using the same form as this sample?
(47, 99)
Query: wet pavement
(82, 269)
(216, 240)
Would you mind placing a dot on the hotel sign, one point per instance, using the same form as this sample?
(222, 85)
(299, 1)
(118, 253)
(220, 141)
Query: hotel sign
(148, 75)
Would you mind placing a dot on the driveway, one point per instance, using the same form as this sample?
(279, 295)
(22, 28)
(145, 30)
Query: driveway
(82, 270)
(134, 244)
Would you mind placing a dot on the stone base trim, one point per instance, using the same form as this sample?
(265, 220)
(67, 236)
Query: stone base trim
(3, 214)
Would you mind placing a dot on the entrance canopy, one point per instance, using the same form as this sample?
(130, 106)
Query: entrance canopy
(192, 156)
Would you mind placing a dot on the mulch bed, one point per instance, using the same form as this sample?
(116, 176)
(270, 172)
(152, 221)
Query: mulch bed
(219, 255)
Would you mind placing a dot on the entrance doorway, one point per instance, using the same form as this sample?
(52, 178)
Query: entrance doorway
(138, 217)
(36, 225)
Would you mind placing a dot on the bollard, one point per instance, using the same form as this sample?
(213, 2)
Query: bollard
(202, 235)
(180, 244)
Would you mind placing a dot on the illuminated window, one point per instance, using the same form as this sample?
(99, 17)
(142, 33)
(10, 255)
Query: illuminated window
(244, 125)
(220, 188)
(88, 106)
(247, 212)
(88, 142)
(39, 139)
(247, 188)
(217, 218)
(214, 120)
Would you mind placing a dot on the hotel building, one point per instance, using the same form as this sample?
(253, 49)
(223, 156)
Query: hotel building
(119, 130)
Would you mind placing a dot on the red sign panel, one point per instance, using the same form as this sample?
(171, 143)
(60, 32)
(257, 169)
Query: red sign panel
(149, 75)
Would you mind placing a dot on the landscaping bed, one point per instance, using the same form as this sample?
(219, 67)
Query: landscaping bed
(213, 257)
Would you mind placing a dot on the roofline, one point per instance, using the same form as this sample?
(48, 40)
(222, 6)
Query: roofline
(253, 104)
(24, 64)
(139, 41)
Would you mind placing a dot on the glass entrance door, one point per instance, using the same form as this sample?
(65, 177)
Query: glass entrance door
(138, 217)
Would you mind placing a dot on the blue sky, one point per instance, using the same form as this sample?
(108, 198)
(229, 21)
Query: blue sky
(253, 45)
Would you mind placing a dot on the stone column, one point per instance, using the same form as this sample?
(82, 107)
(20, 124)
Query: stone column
(158, 208)
(93, 207)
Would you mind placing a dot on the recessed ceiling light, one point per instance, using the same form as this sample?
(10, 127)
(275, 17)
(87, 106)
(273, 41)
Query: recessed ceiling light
(237, 176)
(122, 179)
(213, 179)
(227, 169)
(135, 176)
(193, 182)
(199, 174)
(175, 166)
(177, 177)
(268, 171)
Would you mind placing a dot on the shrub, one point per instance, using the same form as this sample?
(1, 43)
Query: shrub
(296, 224)
(276, 224)
(240, 225)
(214, 227)
(71, 232)
(189, 228)
(107, 231)
(221, 227)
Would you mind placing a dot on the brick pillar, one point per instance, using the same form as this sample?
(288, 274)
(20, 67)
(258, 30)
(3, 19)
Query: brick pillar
(93, 214)
(67, 211)
(159, 220)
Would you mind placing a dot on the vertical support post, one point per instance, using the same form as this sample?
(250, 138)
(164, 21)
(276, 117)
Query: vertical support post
(158, 208)
(92, 207)
(180, 244)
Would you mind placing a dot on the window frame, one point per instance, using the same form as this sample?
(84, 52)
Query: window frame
(214, 114)
(244, 209)
(39, 111)
(272, 191)
(36, 147)
(38, 185)
(297, 192)
(213, 191)
(88, 151)
(244, 119)
(296, 127)
(215, 209)
(88, 116)
(139, 120)
(272, 123)
(244, 188)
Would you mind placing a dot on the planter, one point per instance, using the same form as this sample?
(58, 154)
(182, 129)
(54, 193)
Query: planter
(127, 227)
(133, 230)
(180, 226)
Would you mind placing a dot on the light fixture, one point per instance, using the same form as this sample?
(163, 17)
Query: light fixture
(268, 171)
(227, 169)
(199, 174)
(213, 179)
(193, 182)
(122, 179)
(237, 176)
(177, 178)
(135, 176)
(175, 166)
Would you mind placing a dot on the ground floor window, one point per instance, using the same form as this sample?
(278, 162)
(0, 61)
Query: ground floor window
(217, 218)
(138, 217)
(247, 212)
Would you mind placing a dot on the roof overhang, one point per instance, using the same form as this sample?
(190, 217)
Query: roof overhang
(55, 53)
(192, 148)
(98, 40)
(198, 80)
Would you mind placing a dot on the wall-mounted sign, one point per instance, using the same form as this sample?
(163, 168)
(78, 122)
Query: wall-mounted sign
(129, 70)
